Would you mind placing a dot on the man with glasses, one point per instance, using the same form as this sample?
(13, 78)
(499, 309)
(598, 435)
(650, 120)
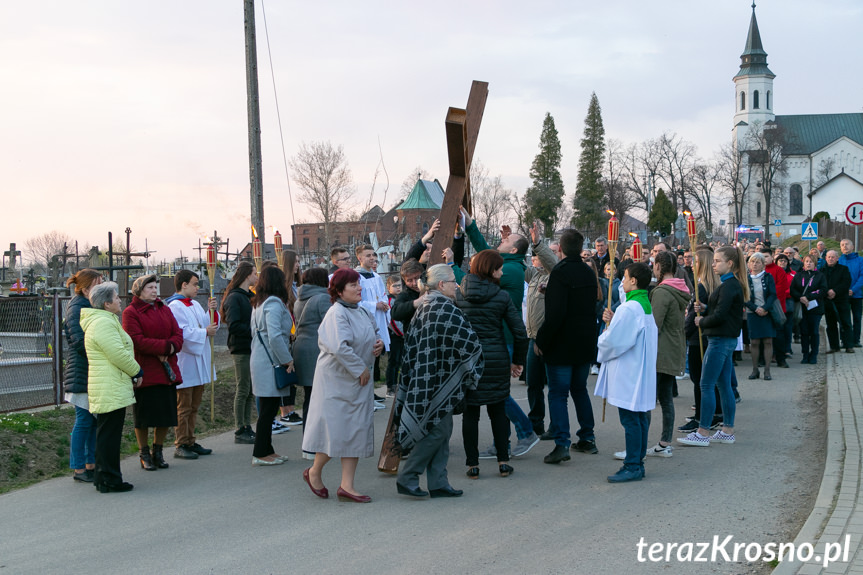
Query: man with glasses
(341, 259)
(602, 256)
(409, 299)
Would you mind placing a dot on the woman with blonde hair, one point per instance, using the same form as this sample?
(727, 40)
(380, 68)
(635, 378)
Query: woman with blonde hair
(721, 324)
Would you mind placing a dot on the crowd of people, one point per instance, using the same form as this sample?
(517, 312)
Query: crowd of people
(454, 341)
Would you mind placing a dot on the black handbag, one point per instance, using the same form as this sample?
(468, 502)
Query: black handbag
(280, 374)
(776, 314)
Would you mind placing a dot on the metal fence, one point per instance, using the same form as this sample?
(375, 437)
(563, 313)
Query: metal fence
(31, 351)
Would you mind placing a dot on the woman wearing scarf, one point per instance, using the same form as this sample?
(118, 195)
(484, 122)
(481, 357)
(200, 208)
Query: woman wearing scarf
(442, 360)
(340, 422)
(808, 289)
(761, 331)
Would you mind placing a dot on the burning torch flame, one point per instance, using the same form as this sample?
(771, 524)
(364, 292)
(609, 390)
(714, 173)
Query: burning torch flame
(633, 234)
(254, 232)
(610, 212)
(687, 213)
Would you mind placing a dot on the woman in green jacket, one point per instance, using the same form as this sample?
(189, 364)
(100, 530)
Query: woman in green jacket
(111, 374)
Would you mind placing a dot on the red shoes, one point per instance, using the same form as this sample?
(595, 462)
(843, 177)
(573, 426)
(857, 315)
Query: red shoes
(350, 497)
(322, 492)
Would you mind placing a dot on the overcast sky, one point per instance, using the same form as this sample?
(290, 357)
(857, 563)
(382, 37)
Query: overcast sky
(116, 113)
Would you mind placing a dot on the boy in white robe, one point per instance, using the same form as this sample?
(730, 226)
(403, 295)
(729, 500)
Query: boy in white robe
(193, 360)
(375, 301)
(627, 379)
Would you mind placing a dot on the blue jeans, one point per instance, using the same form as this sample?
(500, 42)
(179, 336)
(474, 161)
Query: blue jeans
(515, 414)
(564, 380)
(716, 373)
(82, 450)
(635, 424)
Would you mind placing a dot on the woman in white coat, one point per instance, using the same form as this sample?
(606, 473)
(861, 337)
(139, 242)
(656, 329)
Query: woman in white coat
(340, 418)
(271, 330)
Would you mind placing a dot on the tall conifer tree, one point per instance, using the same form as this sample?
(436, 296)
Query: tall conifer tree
(588, 202)
(545, 195)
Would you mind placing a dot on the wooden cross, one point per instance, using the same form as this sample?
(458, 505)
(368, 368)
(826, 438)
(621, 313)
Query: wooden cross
(12, 253)
(18, 288)
(462, 131)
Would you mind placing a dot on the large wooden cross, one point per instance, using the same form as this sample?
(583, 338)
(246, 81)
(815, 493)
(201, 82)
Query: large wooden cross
(462, 131)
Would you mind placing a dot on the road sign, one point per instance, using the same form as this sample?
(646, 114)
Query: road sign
(777, 234)
(854, 213)
(809, 231)
(777, 222)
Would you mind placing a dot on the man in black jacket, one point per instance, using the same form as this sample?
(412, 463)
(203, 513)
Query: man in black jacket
(567, 342)
(409, 299)
(837, 308)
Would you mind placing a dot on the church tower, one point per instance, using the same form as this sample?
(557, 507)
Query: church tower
(753, 99)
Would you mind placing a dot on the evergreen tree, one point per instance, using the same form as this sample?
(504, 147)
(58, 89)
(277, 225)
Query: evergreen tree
(545, 195)
(662, 214)
(589, 201)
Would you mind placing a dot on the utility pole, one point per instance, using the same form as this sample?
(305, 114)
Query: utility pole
(254, 120)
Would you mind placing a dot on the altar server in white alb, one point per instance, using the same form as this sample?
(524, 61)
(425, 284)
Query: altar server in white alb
(375, 301)
(193, 360)
(627, 379)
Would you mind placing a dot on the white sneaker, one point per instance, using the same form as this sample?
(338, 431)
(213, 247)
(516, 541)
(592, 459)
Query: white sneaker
(695, 439)
(620, 455)
(660, 451)
(594, 370)
(721, 437)
(379, 406)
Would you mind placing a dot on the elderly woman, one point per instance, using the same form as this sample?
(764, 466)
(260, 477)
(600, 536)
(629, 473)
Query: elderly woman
(111, 374)
(311, 307)
(82, 452)
(442, 361)
(488, 307)
(271, 331)
(761, 330)
(340, 414)
(158, 339)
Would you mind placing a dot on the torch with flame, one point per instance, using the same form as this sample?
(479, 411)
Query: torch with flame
(211, 274)
(613, 237)
(637, 253)
(277, 242)
(256, 250)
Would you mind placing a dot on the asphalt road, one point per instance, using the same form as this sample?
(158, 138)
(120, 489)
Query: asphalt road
(221, 515)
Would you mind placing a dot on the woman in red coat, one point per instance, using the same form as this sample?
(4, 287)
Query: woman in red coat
(157, 339)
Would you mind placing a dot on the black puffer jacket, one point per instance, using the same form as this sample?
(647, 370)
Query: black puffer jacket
(488, 308)
(75, 374)
(403, 308)
(238, 317)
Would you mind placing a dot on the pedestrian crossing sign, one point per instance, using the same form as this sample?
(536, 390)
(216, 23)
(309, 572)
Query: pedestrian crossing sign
(809, 231)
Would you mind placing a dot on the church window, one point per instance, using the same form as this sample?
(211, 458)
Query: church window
(306, 243)
(755, 100)
(742, 100)
(758, 209)
(795, 200)
(768, 100)
(425, 228)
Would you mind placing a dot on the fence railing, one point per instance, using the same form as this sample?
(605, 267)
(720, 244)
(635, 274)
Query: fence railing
(31, 351)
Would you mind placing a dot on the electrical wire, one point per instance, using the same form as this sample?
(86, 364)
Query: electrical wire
(278, 114)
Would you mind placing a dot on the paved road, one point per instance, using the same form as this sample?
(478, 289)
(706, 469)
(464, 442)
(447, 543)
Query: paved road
(220, 515)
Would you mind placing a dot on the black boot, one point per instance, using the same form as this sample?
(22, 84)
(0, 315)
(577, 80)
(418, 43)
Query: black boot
(146, 461)
(158, 458)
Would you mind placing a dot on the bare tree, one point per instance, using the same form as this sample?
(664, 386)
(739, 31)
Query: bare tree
(639, 167)
(822, 174)
(764, 149)
(490, 199)
(42, 248)
(735, 175)
(619, 196)
(325, 179)
(705, 190)
(677, 158)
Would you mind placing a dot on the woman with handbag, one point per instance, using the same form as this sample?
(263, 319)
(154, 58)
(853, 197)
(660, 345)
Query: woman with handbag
(158, 339)
(761, 330)
(272, 364)
(808, 290)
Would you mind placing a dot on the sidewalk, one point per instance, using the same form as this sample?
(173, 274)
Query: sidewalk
(838, 512)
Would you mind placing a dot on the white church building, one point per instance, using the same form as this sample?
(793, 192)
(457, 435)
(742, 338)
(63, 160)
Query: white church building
(822, 153)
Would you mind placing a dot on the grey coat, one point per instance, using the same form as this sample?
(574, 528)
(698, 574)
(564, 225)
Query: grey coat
(339, 421)
(309, 311)
(273, 321)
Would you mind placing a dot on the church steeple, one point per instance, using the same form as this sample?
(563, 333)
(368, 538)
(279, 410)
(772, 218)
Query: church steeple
(753, 94)
(754, 58)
